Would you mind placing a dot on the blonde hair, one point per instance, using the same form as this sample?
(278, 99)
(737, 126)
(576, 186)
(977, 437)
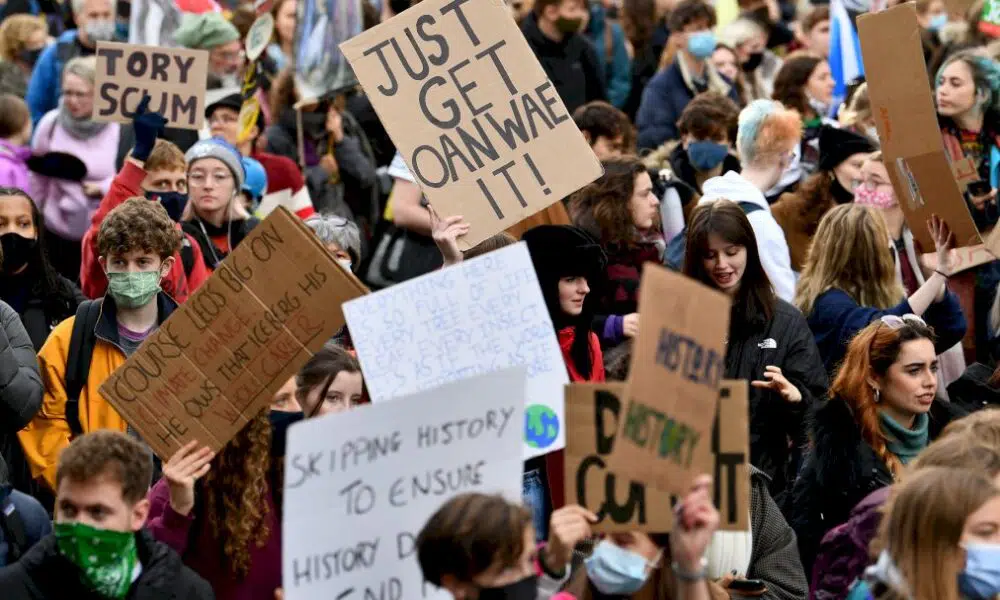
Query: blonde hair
(850, 252)
(859, 109)
(84, 67)
(15, 31)
(923, 525)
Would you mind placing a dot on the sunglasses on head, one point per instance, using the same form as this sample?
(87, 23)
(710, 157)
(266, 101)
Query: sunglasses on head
(895, 322)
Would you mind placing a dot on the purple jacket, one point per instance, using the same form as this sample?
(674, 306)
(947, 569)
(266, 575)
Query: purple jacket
(66, 208)
(203, 552)
(13, 166)
(843, 553)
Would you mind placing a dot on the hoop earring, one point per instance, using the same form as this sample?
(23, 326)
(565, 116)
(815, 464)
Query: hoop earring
(878, 396)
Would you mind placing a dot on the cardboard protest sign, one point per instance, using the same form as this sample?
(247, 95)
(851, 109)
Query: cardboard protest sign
(664, 439)
(473, 114)
(622, 504)
(484, 314)
(218, 360)
(360, 485)
(321, 25)
(906, 118)
(174, 79)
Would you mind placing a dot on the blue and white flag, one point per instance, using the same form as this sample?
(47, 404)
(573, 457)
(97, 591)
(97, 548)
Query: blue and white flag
(845, 51)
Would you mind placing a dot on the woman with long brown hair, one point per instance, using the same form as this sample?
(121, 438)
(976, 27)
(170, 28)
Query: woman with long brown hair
(882, 411)
(939, 539)
(218, 512)
(805, 84)
(849, 280)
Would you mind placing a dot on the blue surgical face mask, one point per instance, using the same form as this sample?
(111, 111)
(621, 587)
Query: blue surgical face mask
(172, 202)
(980, 579)
(705, 155)
(616, 571)
(937, 22)
(701, 44)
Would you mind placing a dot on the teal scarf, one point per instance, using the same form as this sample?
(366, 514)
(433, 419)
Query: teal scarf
(905, 443)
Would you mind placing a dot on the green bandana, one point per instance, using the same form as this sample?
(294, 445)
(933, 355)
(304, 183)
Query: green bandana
(106, 559)
(131, 289)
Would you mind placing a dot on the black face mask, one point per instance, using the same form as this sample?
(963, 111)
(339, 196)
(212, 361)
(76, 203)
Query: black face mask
(30, 57)
(280, 422)
(17, 251)
(525, 589)
(840, 194)
(172, 202)
(753, 62)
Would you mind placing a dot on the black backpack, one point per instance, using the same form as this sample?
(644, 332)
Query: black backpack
(81, 351)
(13, 530)
(674, 255)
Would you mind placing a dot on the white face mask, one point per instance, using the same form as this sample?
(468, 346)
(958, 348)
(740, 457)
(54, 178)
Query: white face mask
(345, 263)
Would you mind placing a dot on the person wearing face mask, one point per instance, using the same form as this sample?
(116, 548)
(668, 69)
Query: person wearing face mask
(22, 39)
(759, 65)
(553, 30)
(686, 71)
(95, 23)
(805, 84)
(841, 155)
(957, 558)
(340, 236)
(155, 169)
(136, 245)
(99, 548)
(932, 15)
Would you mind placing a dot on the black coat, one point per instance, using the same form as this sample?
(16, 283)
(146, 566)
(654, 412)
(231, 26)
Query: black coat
(44, 574)
(40, 314)
(972, 391)
(775, 423)
(572, 65)
(840, 471)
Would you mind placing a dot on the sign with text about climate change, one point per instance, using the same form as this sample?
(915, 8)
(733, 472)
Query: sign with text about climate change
(481, 315)
(173, 78)
(477, 121)
(360, 485)
(664, 435)
(622, 504)
(218, 360)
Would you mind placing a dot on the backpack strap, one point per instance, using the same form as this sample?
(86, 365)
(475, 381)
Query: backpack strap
(13, 529)
(81, 351)
(187, 256)
(749, 207)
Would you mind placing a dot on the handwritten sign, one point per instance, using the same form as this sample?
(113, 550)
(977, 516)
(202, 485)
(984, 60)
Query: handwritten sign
(360, 485)
(174, 79)
(218, 360)
(476, 317)
(672, 392)
(622, 504)
(963, 259)
(472, 112)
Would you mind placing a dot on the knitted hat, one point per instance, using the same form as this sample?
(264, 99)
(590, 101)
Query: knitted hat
(837, 145)
(205, 31)
(256, 179)
(217, 147)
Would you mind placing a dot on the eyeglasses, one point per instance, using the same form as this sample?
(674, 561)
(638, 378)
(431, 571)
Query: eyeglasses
(199, 179)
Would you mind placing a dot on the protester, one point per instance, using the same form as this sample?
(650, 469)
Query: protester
(857, 114)
(568, 58)
(813, 31)
(606, 129)
(769, 342)
(69, 204)
(94, 23)
(688, 74)
(841, 155)
(955, 558)
(759, 65)
(135, 245)
(805, 84)
(330, 382)
(214, 217)
(727, 63)
(254, 185)
(15, 140)
(882, 412)
(849, 281)
(155, 169)
(211, 31)
(281, 50)
(99, 548)
(219, 513)
(620, 211)
(765, 140)
(24, 523)
(968, 105)
(608, 38)
(932, 15)
(340, 237)
(22, 39)
(645, 25)
(977, 388)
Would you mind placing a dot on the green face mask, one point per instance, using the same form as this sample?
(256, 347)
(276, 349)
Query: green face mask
(106, 559)
(132, 290)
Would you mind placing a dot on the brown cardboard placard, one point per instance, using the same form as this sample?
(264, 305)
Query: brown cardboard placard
(222, 355)
(963, 259)
(174, 78)
(472, 112)
(664, 437)
(965, 172)
(622, 504)
(906, 118)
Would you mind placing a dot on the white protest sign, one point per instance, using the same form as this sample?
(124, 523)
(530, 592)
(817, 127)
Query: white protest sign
(484, 314)
(360, 485)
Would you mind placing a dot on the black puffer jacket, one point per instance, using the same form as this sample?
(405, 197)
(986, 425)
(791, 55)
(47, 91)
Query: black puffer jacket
(44, 574)
(20, 383)
(777, 428)
(840, 471)
(572, 65)
(39, 313)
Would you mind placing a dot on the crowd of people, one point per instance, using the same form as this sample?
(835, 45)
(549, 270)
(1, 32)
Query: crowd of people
(871, 360)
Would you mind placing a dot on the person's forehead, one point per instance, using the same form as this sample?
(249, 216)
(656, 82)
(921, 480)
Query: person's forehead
(92, 6)
(166, 174)
(100, 489)
(136, 255)
(224, 111)
(209, 163)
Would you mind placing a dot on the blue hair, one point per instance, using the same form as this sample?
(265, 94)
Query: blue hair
(751, 119)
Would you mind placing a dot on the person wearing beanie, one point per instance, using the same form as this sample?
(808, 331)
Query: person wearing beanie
(841, 154)
(211, 31)
(214, 215)
(254, 185)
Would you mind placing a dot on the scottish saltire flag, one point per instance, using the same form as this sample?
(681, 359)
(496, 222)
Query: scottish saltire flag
(845, 51)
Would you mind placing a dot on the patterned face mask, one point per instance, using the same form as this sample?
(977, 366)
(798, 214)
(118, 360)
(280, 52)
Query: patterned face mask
(872, 196)
(106, 559)
(132, 289)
